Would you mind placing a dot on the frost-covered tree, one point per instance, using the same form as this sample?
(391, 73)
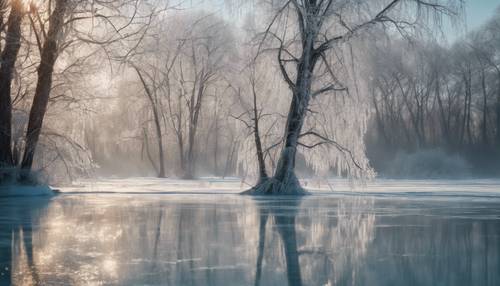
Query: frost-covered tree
(55, 39)
(151, 87)
(183, 62)
(259, 113)
(310, 35)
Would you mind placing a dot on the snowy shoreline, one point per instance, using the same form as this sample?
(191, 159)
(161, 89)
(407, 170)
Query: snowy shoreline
(218, 186)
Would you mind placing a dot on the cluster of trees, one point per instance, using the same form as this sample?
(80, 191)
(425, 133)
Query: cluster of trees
(173, 101)
(426, 96)
(185, 92)
(46, 47)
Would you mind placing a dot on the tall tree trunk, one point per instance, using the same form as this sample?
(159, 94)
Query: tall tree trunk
(216, 139)
(161, 173)
(258, 143)
(444, 122)
(45, 70)
(156, 119)
(380, 120)
(463, 128)
(485, 110)
(284, 180)
(148, 152)
(229, 157)
(180, 137)
(182, 158)
(8, 60)
(285, 171)
(194, 114)
(189, 174)
(469, 118)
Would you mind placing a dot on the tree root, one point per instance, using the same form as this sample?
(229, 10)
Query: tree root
(276, 187)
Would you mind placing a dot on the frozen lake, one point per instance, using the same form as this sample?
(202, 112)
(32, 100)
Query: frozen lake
(166, 232)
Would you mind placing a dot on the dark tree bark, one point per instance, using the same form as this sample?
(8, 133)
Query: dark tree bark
(484, 125)
(49, 55)
(284, 180)
(8, 60)
(195, 105)
(148, 152)
(310, 16)
(156, 119)
(444, 121)
(216, 139)
(258, 143)
(285, 171)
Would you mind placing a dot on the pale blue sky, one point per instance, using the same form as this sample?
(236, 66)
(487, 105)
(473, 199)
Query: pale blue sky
(479, 11)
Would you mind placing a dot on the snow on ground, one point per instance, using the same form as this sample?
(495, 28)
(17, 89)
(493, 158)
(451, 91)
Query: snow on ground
(210, 185)
(156, 185)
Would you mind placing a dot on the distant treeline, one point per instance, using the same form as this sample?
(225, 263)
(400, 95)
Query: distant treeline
(427, 97)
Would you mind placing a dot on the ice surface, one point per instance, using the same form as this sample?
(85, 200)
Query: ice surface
(378, 187)
(25, 191)
(143, 231)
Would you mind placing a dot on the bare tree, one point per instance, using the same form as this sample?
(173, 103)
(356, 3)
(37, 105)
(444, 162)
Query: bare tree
(152, 96)
(206, 51)
(314, 21)
(65, 19)
(45, 70)
(7, 61)
(251, 117)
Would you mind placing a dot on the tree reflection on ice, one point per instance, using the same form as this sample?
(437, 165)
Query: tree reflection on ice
(234, 240)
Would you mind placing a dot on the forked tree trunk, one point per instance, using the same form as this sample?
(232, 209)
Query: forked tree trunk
(8, 60)
(44, 83)
(284, 180)
(194, 113)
